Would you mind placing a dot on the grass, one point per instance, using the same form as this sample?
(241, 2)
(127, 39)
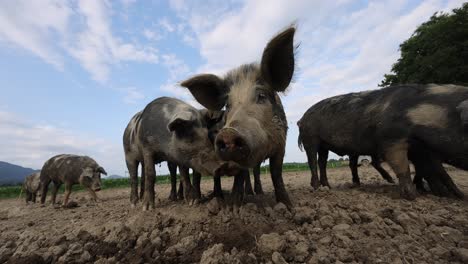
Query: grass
(14, 191)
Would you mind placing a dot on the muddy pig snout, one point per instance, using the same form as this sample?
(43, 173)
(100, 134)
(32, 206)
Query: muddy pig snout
(227, 168)
(97, 187)
(230, 145)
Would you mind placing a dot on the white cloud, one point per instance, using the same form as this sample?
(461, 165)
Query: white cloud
(177, 67)
(178, 71)
(97, 48)
(128, 3)
(22, 25)
(151, 34)
(166, 24)
(31, 144)
(132, 95)
(80, 28)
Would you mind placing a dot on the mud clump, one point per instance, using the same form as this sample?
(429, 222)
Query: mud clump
(340, 225)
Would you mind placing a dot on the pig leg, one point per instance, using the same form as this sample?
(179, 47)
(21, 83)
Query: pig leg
(142, 181)
(150, 175)
(180, 192)
(238, 188)
(437, 177)
(247, 183)
(68, 188)
(28, 196)
(430, 167)
(44, 188)
(217, 189)
(397, 157)
(418, 181)
(33, 197)
(54, 191)
(312, 160)
(185, 179)
(132, 166)
(257, 182)
(196, 184)
(93, 194)
(322, 161)
(447, 181)
(353, 165)
(173, 172)
(276, 167)
(378, 166)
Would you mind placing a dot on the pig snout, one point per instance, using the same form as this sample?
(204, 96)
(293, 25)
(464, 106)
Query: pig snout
(97, 187)
(228, 168)
(230, 145)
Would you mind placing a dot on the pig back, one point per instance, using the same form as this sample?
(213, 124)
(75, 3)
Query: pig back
(155, 118)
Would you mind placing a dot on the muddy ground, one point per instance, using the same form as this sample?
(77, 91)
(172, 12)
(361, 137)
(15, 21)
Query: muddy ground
(369, 224)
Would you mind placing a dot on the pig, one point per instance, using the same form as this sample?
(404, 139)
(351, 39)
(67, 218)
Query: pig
(255, 124)
(134, 155)
(133, 152)
(385, 122)
(71, 169)
(169, 129)
(31, 186)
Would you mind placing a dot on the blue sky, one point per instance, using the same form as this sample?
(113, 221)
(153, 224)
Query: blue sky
(72, 73)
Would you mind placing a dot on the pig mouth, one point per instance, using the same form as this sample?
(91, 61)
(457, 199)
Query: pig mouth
(97, 189)
(231, 146)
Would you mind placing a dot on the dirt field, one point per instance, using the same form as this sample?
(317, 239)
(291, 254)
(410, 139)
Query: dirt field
(362, 225)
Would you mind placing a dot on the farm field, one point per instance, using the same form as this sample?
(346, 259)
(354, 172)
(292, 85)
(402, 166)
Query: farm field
(369, 224)
(15, 190)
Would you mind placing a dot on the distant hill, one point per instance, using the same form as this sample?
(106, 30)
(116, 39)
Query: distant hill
(11, 174)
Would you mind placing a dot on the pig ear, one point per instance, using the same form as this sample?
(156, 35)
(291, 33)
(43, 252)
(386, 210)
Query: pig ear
(277, 64)
(101, 170)
(181, 122)
(208, 89)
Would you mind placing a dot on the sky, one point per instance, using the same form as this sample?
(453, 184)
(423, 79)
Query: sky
(73, 72)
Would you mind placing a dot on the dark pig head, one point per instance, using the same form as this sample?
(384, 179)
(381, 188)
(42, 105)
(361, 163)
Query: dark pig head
(255, 123)
(463, 110)
(91, 177)
(191, 131)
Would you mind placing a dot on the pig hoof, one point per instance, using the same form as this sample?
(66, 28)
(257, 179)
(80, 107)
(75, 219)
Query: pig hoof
(147, 207)
(408, 193)
(235, 209)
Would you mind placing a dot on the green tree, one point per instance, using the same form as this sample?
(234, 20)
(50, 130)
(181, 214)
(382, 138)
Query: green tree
(437, 52)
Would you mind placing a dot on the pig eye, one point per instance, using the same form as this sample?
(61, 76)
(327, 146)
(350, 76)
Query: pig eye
(261, 98)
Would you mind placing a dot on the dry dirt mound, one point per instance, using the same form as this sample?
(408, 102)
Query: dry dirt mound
(362, 225)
